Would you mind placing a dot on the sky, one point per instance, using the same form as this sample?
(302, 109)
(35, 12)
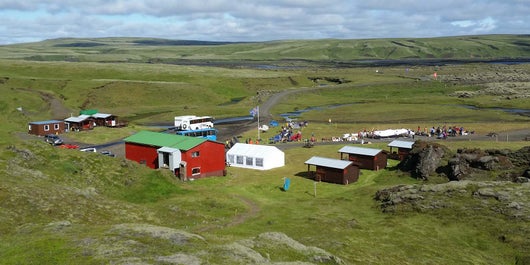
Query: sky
(259, 20)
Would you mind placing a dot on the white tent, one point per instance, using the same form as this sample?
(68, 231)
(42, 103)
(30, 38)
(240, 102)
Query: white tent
(254, 156)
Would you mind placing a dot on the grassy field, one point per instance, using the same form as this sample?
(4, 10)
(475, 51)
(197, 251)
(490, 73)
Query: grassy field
(61, 206)
(95, 193)
(284, 52)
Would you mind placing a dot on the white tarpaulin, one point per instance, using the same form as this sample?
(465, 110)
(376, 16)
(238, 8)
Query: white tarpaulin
(392, 133)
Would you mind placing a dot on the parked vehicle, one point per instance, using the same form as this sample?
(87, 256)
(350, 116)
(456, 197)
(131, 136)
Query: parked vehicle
(263, 128)
(208, 133)
(192, 122)
(107, 153)
(53, 139)
(88, 149)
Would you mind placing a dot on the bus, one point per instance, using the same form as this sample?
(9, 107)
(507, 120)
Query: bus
(208, 133)
(192, 122)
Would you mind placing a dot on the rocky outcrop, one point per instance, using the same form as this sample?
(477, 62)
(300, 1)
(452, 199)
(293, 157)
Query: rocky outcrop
(502, 197)
(499, 81)
(129, 244)
(428, 159)
(471, 163)
(424, 159)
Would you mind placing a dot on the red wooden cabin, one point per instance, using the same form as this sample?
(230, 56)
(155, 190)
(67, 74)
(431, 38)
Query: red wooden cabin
(199, 157)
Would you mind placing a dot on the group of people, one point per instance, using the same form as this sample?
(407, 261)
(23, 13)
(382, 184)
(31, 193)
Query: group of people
(442, 132)
(287, 133)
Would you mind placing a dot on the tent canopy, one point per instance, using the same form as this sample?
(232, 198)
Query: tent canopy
(255, 156)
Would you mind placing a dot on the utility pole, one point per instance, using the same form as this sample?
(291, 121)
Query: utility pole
(259, 139)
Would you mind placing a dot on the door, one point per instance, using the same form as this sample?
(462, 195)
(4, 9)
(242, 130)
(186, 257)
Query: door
(182, 171)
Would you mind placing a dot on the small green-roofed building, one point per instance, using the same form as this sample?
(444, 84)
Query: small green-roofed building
(198, 157)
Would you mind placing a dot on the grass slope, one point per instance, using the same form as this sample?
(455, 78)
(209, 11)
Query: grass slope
(71, 211)
(156, 50)
(61, 206)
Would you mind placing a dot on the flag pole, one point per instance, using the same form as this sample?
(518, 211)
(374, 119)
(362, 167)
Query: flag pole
(259, 139)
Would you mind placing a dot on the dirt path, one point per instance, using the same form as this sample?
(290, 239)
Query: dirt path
(230, 130)
(253, 210)
(274, 99)
(58, 110)
(227, 131)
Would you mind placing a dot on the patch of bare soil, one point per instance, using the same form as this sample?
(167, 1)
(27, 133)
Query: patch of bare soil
(253, 210)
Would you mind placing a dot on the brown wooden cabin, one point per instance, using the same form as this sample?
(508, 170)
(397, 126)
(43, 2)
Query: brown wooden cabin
(403, 149)
(368, 158)
(42, 128)
(104, 119)
(333, 170)
(79, 123)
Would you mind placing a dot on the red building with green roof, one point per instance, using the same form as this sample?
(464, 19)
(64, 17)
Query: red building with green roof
(188, 157)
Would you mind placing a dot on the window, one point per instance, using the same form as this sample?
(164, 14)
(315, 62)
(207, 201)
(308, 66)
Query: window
(249, 161)
(56, 126)
(259, 162)
(195, 154)
(239, 160)
(46, 128)
(231, 159)
(196, 171)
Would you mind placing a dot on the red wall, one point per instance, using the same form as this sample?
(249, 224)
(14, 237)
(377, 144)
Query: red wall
(38, 129)
(403, 153)
(376, 162)
(211, 159)
(139, 152)
(340, 176)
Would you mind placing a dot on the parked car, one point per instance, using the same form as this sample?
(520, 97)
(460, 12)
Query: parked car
(107, 153)
(53, 139)
(88, 149)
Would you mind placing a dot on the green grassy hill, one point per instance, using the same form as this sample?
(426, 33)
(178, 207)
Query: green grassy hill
(60, 206)
(168, 51)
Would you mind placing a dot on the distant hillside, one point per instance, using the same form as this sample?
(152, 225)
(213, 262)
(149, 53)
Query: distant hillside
(149, 50)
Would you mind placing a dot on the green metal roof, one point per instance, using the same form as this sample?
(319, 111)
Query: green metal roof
(165, 139)
(88, 112)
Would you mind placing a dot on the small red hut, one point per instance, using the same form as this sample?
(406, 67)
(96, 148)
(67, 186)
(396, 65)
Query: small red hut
(368, 158)
(333, 170)
(403, 149)
(46, 127)
(79, 123)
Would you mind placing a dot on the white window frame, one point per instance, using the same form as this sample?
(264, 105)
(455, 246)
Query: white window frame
(231, 159)
(249, 161)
